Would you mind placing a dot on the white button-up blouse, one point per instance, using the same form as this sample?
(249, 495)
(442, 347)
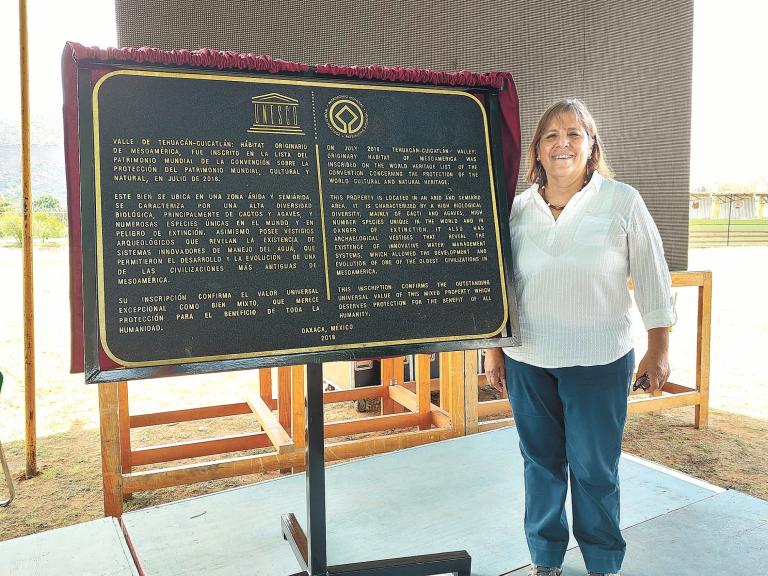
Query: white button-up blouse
(571, 275)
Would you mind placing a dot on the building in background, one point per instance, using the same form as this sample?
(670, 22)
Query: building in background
(631, 62)
(733, 218)
(728, 205)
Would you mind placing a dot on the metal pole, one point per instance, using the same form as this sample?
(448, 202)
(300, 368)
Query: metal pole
(315, 433)
(26, 248)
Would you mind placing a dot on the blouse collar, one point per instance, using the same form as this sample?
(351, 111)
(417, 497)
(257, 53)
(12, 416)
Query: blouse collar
(589, 188)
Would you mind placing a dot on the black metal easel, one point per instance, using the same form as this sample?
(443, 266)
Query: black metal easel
(310, 547)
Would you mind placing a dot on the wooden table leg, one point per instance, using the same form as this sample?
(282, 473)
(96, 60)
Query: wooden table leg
(298, 403)
(423, 389)
(284, 403)
(703, 336)
(109, 422)
(470, 381)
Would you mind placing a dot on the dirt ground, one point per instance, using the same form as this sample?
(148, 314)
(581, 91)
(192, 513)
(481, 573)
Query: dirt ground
(731, 453)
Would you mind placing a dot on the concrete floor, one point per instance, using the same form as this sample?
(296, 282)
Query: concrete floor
(461, 494)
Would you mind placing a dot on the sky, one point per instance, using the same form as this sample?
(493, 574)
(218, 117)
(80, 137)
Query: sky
(729, 124)
(50, 24)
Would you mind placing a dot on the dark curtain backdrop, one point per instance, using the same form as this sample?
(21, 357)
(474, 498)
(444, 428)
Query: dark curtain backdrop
(630, 61)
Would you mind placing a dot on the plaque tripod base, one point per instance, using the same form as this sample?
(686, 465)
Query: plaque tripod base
(310, 547)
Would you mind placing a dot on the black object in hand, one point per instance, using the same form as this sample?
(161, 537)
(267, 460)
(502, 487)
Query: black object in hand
(642, 382)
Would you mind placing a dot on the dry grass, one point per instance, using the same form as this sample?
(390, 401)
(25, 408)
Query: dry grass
(730, 453)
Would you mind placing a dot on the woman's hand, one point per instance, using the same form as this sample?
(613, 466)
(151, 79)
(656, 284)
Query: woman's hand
(494, 368)
(656, 360)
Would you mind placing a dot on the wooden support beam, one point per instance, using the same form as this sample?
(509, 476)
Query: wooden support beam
(680, 279)
(373, 424)
(280, 439)
(228, 468)
(423, 390)
(652, 404)
(398, 377)
(441, 418)
(700, 278)
(495, 424)
(361, 393)
(387, 379)
(284, 410)
(683, 279)
(470, 393)
(381, 444)
(125, 427)
(109, 424)
(202, 472)
(434, 385)
(673, 388)
(265, 387)
(703, 340)
(198, 448)
(435, 416)
(404, 397)
(298, 412)
(284, 402)
(189, 414)
(458, 401)
(452, 372)
(445, 401)
(27, 246)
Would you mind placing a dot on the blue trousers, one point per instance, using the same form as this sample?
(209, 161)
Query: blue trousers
(570, 422)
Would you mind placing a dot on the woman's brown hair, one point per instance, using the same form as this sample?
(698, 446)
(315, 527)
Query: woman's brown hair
(597, 161)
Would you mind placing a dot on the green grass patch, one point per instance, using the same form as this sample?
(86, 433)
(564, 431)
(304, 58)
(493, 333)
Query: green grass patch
(725, 222)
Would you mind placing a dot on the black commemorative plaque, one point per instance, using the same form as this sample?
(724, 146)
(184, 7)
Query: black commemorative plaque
(247, 217)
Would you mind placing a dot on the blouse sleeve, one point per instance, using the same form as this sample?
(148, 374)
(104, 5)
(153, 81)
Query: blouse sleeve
(648, 269)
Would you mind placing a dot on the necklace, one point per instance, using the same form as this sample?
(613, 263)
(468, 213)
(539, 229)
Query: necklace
(557, 207)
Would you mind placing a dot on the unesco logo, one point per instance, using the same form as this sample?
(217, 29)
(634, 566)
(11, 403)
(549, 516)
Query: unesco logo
(346, 117)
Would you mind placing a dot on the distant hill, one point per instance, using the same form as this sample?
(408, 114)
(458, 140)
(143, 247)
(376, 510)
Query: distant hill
(47, 155)
(46, 131)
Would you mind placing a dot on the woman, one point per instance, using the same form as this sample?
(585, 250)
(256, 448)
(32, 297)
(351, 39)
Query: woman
(577, 236)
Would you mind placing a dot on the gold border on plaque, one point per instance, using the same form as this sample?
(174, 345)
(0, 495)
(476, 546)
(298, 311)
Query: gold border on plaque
(278, 81)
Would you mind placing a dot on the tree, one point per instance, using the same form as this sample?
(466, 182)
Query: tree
(11, 226)
(49, 205)
(5, 205)
(44, 226)
(47, 226)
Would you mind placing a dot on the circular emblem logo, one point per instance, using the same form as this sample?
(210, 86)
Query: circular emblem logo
(346, 117)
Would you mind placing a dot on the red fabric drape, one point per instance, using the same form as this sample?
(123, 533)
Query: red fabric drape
(72, 172)
(203, 58)
(101, 60)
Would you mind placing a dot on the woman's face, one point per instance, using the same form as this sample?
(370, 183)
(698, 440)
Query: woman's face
(564, 148)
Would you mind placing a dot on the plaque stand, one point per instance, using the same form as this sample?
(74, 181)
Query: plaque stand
(310, 547)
